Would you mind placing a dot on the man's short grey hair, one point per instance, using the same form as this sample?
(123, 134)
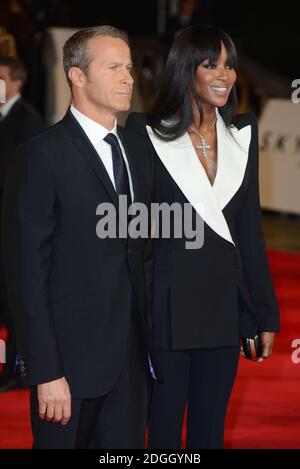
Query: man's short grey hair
(75, 51)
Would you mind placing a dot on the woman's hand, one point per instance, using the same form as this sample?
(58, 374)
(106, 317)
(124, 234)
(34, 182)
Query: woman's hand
(267, 342)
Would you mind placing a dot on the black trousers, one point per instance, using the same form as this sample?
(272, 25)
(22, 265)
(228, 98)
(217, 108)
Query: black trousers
(202, 378)
(120, 415)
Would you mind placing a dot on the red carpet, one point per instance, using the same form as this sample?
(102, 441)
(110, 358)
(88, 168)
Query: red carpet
(264, 411)
(265, 407)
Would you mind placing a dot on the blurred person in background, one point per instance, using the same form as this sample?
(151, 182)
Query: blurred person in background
(18, 122)
(190, 12)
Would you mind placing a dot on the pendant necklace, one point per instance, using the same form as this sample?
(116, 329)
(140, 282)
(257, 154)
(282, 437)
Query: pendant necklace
(203, 146)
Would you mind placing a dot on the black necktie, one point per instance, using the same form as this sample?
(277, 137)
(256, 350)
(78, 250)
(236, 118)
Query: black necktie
(119, 167)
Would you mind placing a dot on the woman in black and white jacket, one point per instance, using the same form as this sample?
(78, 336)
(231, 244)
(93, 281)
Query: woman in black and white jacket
(204, 299)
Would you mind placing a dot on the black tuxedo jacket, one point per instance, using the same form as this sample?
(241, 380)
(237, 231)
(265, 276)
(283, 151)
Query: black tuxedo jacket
(210, 296)
(20, 124)
(71, 293)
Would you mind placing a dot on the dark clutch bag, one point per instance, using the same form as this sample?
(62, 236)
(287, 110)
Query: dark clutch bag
(252, 347)
(251, 341)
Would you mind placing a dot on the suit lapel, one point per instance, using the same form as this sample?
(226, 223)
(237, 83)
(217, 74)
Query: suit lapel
(88, 152)
(233, 152)
(13, 110)
(181, 161)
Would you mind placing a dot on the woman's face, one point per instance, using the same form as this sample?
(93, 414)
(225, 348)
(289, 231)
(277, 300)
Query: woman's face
(214, 80)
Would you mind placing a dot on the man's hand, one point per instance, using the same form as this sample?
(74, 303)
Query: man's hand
(54, 401)
(267, 341)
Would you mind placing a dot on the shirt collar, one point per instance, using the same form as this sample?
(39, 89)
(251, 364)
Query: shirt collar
(95, 132)
(4, 110)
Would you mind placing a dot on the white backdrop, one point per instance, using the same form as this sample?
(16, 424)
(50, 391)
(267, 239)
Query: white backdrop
(58, 94)
(279, 128)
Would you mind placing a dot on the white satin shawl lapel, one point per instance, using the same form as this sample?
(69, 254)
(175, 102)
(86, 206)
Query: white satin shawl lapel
(181, 161)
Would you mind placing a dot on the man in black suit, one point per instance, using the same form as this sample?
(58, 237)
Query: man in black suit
(80, 302)
(18, 122)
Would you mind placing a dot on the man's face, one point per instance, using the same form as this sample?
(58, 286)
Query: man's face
(108, 81)
(12, 86)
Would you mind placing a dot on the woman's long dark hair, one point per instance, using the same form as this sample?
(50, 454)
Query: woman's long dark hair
(175, 99)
